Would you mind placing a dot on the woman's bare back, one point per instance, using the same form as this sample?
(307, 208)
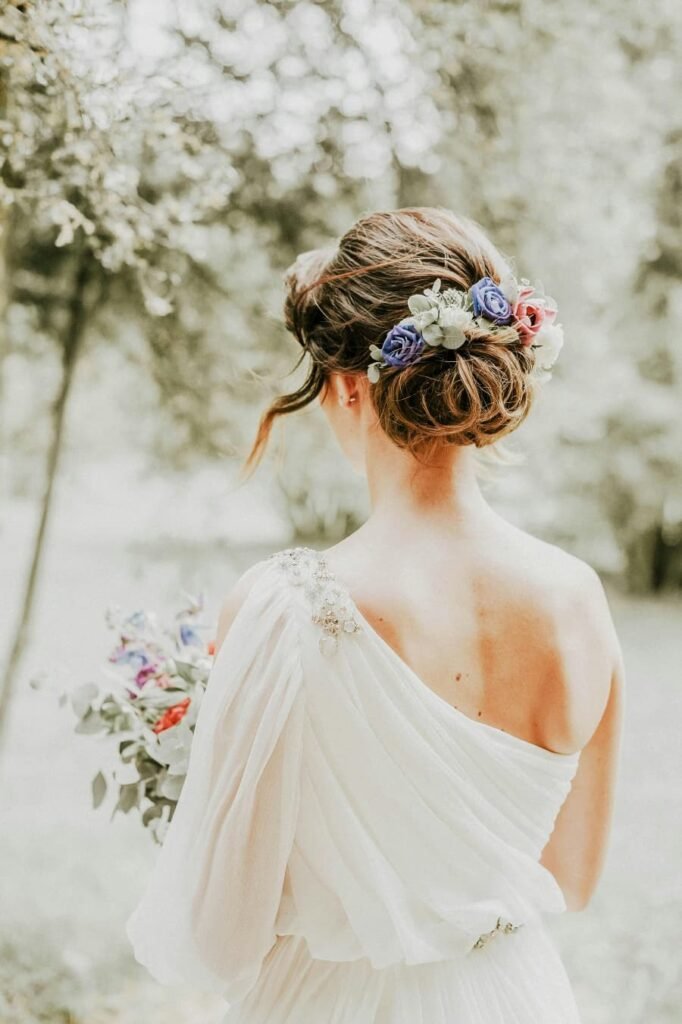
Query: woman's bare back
(510, 630)
(515, 633)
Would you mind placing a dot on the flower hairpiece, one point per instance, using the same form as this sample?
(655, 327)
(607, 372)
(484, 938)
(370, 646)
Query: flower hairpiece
(447, 317)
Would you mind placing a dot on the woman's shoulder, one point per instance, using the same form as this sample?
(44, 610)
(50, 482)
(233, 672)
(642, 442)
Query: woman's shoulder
(572, 583)
(249, 580)
(571, 605)
(292, 564)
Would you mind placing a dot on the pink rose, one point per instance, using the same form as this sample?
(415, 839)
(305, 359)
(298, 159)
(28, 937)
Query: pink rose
(530, 315)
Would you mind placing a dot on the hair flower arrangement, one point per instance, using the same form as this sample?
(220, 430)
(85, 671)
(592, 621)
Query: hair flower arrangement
(446, 318)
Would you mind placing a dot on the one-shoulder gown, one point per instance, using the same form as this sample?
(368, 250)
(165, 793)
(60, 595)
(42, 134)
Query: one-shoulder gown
(348, 847)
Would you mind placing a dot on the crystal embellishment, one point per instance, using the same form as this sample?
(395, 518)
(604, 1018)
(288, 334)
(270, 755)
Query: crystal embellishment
(331, 606)
(501, 926)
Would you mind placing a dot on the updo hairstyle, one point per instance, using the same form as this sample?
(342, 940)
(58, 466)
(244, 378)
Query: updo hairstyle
(340, 301)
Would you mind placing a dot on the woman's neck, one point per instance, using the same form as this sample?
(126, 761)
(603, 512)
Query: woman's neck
(443, 490)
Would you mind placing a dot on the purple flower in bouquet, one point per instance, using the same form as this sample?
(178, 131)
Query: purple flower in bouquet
(133, 656)
(150, 704)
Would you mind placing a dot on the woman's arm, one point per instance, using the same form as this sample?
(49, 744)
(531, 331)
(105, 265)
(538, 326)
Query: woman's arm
(576, 850)
(208, 912)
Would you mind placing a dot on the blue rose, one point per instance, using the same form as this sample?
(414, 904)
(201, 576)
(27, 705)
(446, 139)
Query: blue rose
(489, 301)
(402, 345)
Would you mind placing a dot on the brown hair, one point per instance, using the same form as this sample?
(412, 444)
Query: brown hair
(342, 300)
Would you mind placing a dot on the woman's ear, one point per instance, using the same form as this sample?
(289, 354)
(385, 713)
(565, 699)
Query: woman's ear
(345, 388)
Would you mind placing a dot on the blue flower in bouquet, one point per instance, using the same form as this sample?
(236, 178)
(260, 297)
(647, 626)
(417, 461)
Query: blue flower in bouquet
(189, 636)
(150, 704)
(137, 620)
(135, 657)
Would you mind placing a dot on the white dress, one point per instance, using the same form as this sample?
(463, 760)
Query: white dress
(348, 847)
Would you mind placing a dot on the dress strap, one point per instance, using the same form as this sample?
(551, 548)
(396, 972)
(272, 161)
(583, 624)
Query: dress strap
(331, 606)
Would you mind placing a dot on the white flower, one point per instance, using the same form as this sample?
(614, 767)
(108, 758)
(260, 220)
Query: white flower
(509, 287)
(422, 319)
(547, 345)
(454, 322)
(452, 316)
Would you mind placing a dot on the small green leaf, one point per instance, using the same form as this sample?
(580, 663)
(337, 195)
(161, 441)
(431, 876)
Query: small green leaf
(127, 798)
(99, 789)
(171, 786)
(155, 811)
(418, 304)
(375, 352)
(453, 337)
(82, 698)
(422, 320)
(373, 373)
(90, 723)
(433, 334)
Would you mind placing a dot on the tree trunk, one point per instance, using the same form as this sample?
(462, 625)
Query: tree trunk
(70, 344)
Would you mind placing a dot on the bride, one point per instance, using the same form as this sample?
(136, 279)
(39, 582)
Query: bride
(407, 750)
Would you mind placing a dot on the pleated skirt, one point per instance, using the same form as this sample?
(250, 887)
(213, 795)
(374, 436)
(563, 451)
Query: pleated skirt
(516, 978)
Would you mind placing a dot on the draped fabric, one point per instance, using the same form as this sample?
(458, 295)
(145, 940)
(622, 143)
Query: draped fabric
(349, 847)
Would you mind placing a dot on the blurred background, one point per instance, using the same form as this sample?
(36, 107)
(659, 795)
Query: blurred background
(161, 163)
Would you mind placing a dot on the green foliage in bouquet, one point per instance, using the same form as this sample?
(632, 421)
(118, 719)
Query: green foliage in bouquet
(150, 704)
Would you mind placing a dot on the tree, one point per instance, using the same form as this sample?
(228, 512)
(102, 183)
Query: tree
(85, 226)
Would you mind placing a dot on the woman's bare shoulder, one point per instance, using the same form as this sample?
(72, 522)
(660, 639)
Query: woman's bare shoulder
(573, 602)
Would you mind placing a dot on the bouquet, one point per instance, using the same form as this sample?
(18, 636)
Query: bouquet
(150, 704)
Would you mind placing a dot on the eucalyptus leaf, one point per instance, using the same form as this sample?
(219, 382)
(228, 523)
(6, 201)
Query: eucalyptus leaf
(128, 798)
(127, 774)
(422, 320)
(375, 352)
(82, 698)
(155, 811)
(171, 786)
(146, 768)
(99, 789)
(91, 722)
(185, 670)
(418, 304)
(433, 334)
(373, 373)
(453, 337)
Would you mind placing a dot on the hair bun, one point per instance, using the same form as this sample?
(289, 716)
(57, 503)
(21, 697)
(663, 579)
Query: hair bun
(341, 303)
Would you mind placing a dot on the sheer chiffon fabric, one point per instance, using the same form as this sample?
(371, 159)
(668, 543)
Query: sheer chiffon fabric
(349, 847)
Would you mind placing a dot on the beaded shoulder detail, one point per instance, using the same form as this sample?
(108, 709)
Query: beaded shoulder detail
(502, 925)
(330, 604)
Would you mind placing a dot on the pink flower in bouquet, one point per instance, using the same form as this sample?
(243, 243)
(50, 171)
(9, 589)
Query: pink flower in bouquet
(149, 657)
(145, 674)
(530, 315)
(171, 716)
